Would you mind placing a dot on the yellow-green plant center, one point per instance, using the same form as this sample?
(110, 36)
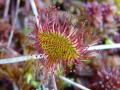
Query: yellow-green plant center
(57, 46)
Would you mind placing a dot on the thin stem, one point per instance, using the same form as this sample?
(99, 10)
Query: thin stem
(25, 58)
(7, 4)
(22, 58)
(34, 9)
(73, 83)
(54, 82)
(15, 86)
(13, 24)
(103, 47)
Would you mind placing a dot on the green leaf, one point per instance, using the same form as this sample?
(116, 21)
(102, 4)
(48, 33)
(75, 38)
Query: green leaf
(86, 61)
(35, 83)
(118, 6)
(27, 30)
(108, 41)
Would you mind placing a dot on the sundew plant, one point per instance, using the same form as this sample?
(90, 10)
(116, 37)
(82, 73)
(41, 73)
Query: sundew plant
(56, 36)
